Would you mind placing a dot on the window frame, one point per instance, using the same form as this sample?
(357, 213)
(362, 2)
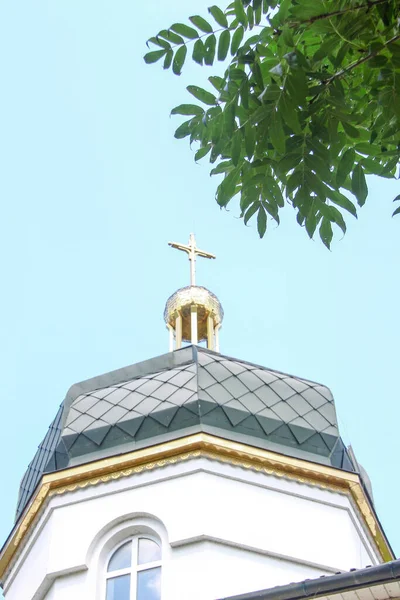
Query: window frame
(135, 568)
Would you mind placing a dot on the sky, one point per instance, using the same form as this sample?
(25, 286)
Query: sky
(94, 185)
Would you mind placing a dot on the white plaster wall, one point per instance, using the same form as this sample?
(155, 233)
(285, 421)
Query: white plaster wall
(209, 570)
(67, 588)
(247, 530)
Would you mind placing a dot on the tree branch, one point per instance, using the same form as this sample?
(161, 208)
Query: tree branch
(367, 5)
(360, 61)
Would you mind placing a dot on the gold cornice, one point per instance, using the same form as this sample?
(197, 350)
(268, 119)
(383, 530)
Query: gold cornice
(194, 446)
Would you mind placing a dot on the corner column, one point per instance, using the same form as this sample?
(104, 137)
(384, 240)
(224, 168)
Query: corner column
(217, 328)
(210, 332)
(171, 337)
(178, 331)
(193, 324)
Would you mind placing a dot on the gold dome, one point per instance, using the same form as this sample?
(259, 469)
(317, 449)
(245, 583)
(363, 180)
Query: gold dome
(193, 314)
(206, 305)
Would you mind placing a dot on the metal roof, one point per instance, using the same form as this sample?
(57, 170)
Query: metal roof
(186, 391)
(381, 582)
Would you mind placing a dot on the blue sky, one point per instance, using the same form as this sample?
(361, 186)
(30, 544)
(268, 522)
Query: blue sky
(94, 185)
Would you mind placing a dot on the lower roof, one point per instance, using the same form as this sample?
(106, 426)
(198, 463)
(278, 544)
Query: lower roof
(381, 582)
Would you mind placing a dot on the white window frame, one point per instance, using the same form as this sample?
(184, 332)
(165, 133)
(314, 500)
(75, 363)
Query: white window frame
(135, 568)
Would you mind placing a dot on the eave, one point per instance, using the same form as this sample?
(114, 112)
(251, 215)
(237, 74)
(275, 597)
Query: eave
(186, 448)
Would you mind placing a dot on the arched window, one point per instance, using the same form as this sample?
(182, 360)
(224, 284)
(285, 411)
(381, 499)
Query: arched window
(134, 571)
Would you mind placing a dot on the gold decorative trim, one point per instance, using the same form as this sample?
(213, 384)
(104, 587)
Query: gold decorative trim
(194, 446)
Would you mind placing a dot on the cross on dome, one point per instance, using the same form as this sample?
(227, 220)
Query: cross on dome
(193, 314)
(193, 251)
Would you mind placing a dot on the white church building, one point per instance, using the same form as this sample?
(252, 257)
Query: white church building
(196, 476)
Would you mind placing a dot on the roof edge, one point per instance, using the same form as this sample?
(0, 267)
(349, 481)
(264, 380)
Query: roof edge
(325, 585)
(169, 360)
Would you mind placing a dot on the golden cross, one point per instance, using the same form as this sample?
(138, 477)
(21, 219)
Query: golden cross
(192, 251)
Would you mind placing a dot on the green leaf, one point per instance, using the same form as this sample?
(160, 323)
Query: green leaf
(249, 196)
(223, 167)
(316, 184)
(237, 40)
(283, 11)
(251, 211)
(229, 119)
(158, 42)
(152, 57)
(236, 147)
(237, 74)
(294, 182)
(274, 188)
(319, 166)
(342, 201)
(289, 113)
(217, 82)
(261, 221)
(276, 132)
(185, 30)
(326, 48)
(371, 166)
(244, 93)
(223, 44)
(250, 140)
(250, 17)
(350, 130)
(397, 198)
(187, 109)
(198, 52)
(287, 36)
(240, 13)
(325, 232)
(396, 212)
(201, 24)
(337, 217)
(375, 149)
(179, 60)
(202, 95)
(183, 130)
(219, 16)
(272, 209)
(359, 185)
(257, 7)
(296, 86)
(311, 223)
(377, 62)
(202, 152)
(227, 188)
(344, 167)
(171, 37)
(209, 49)
(168, 59)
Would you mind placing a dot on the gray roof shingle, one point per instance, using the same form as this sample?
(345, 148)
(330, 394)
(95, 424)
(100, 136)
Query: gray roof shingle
(189, 388)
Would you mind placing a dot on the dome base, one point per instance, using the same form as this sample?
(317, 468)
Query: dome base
(193, 314)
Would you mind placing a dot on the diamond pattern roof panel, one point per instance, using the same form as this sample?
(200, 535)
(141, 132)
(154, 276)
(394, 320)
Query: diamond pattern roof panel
(283, 390)
(301, 406)
(234, 367)
(117, 395)
(267, 395)
(38, 464)
(187, 388)
(219, 393)
(235, 386)
(313, 397)
(250, 380)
